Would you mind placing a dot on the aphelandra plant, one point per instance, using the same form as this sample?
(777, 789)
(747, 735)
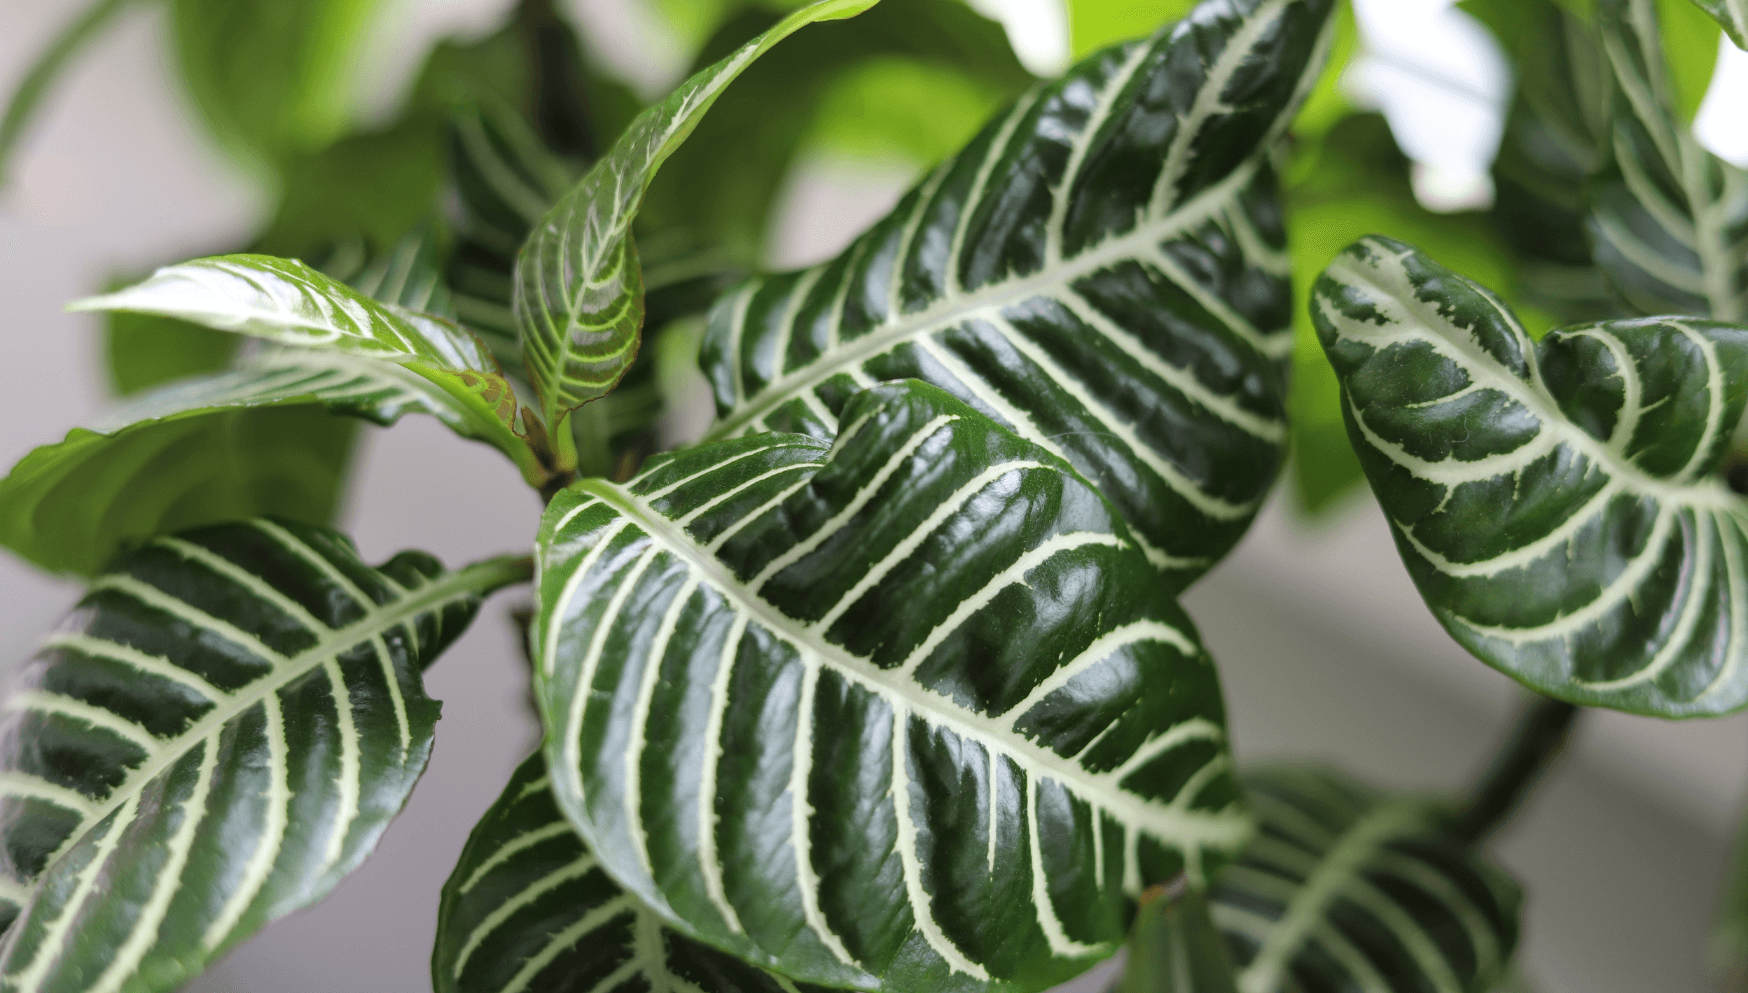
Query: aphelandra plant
(883, 685)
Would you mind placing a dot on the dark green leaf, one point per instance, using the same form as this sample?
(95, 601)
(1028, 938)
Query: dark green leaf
(218, 734)
(80, 31)
(1559, 505)
(578, 287)
(1669, 219)
(907, 712)
(1174, 946)
(528, 908)
(1103, 270)
(1348, 889)
(1732, 15)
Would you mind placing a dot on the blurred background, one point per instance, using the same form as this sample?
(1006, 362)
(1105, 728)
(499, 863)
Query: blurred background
(1326, 650)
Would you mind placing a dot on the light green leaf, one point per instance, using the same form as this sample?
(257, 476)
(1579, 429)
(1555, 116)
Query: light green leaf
(256, 440)
(1174, 946)
(907, 712)
(578, 287)
(80, 31)
(1669, 219)
(1732, 15)
(271, 77)
(1348, 889)
(1096, 24)
(528, 908)
(1103, 270)
(146, 351)
(1559, 505)
(218, 734)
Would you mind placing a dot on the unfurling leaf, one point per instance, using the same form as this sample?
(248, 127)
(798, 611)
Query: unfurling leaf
(529, 910)
(1348, 889)
(578, 286)
(1560, 505)
(911, 711)
(1102, 270)
(216, 736)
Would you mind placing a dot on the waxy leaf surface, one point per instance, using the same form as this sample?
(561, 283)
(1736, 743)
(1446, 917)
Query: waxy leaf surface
(216, 736)
(1348, 889)
(528, 908)
(1103, 270)
(1560, 505)
(578, 286)
(909, 712)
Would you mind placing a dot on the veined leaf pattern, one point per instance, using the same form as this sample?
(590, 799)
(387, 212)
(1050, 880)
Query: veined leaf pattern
(1732, 14)
(1103, 270)
(907, 712)
(528, 908)
(1347, 889)
(1559, 505)
(217, 735)
(578, 287)
(1669, 219)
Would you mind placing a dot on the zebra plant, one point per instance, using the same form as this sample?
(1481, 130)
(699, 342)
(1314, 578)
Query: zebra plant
(882, 685)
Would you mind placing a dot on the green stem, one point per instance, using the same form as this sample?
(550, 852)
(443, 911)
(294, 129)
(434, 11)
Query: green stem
(76, 35)
(1539, 736)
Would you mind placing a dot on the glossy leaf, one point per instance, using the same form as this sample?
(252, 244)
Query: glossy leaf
(528, 908)
(1732, 15)
(1669, 219)
(1174, 946)
(217, 735)
(1102, 269)
(578, 288)
(81, 30)
(1348, 889)
(1559, 505)
(909, 712)
(258, 439)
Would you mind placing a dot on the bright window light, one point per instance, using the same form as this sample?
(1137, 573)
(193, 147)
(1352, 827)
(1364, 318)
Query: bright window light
(1722, 122)
(1037, 29)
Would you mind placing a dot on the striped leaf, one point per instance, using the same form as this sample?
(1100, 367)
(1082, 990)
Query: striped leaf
(214, 738)
(1559, 504)
(528, 908)
(909, 712)
(578, 287)
(1669, 219)
(409, 275)
(1345, 889)
(1103, 270)
(1732, 14)
(257, 439)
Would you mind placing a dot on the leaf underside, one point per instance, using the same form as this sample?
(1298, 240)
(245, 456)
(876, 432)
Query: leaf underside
(1559, 504)
(1103, 270)
(217, 735)
(1345, 889)
(935, 638)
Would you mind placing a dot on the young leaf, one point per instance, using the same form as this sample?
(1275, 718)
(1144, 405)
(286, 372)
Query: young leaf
(1102, 270)
(578, 287)
(1347, 889)
(1559, 504)
(255, 440)
(1669, 219)
(218, 734)
(1732, 15)
(1174, 948)
(528, 908)
(908, 712)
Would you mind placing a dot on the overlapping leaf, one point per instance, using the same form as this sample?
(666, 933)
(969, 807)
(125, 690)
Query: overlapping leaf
(216, 736)
(578, 288)
(1174, 947)
(1346, 889)
(528, 908)
(1102, 269)
(1559, 504)
(911, 712)
(1669, 219)
(1732, 15)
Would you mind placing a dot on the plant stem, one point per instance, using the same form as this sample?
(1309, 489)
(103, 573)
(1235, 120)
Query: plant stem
(1539, 736)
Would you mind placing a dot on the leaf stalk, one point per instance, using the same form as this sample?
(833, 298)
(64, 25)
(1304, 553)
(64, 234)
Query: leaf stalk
(1536, 740)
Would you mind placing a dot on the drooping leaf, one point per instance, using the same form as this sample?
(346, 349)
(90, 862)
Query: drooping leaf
(216, 736)
(908, 712)
(1174, 946)
(1559, 504)
(1348, 889)
(80, 31)
(1103, 270)
(1731, 15)
(578, 288)
(255, 440)
(528, 908)
(1669, 219)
